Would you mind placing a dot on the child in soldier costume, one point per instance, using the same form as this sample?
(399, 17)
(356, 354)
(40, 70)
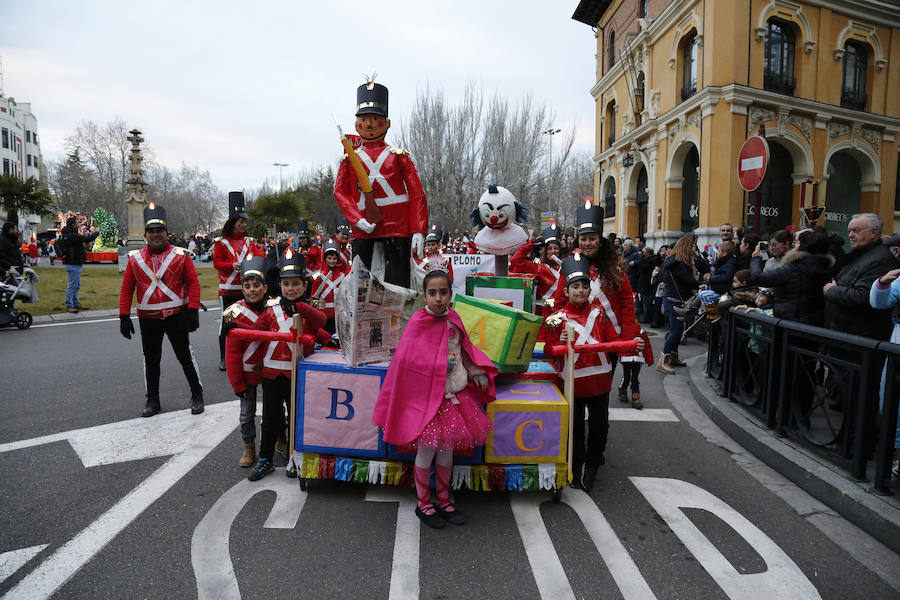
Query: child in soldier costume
(545, 268)
(326, 282)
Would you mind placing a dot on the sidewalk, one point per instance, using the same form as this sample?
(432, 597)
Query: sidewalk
(879, 516)
(100, 314)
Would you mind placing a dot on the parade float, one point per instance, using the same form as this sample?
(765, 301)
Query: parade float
(106, 247)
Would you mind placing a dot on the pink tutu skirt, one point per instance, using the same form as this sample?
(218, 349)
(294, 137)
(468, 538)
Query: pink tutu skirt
(456, 426)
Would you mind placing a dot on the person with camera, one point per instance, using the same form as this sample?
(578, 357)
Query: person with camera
(73, 238)
(168, 299)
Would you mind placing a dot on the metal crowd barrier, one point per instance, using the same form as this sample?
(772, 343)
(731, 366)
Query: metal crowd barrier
(820, 387)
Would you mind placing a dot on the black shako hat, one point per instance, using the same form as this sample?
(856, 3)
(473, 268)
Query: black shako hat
(549, 234)
(154, 216)
(236, 205)
(589, 219)
(576, 267)
(434, 234)
(253, 266)
(303, 228)
(293, 264)
(372, 99)
(342, 226)
(331, 246)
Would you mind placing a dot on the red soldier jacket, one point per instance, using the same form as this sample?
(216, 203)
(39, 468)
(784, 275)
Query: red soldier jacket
(547, 276)
(313, 255)
(397, 189)
(227, 251)
(165, 281)
(276, 356)
(593, 370)
(242, 357)
(325, 283)
(436, 259)
(617, 302)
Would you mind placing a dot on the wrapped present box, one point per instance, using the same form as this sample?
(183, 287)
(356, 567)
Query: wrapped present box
(519, 290)
(506, 335)
(538, 370)
(531, 424)
(334, 405)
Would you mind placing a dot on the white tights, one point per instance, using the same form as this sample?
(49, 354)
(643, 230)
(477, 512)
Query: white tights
(425, 455)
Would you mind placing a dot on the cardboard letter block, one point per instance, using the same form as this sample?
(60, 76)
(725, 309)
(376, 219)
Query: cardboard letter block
(519, 290)
(505, 334)
(531, 424)
(334, 405)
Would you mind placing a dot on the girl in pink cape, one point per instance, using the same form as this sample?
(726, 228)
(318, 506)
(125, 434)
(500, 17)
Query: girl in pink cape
(430, 397)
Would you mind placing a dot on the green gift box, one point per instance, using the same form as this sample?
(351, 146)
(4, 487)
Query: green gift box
(506, 335)
(518, 290)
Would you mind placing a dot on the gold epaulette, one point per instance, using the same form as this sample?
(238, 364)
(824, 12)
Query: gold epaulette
(231, 313)
(554, 320)
(536, 261)
(180, 250)
(343, 158)
(133, 252)
(216, 239)
(316, 275)
(550, 302)
(395, 150)
(273, 302)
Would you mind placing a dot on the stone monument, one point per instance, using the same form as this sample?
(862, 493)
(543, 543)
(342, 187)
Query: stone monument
(134, 190)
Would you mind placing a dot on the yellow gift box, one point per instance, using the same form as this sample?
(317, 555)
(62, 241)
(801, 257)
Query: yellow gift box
(531, 424)
(505, 334)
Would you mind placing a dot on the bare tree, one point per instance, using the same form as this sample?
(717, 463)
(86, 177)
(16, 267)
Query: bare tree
(460, 149)
(193, 203)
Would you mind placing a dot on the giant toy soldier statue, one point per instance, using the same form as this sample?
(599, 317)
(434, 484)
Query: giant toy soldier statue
(393, 217)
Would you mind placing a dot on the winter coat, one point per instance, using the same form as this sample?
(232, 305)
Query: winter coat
(10, 254)
(632, 258)
(73, 245)
(721, 279)
(645, 273)
(847, 307)
(798, 283)
(679, 279)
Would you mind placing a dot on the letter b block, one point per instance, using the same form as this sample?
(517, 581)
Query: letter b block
(531, 424)
(334, 407)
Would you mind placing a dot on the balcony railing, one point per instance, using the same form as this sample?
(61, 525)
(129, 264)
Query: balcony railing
(853, 99)
(687, 92)
(776, 82)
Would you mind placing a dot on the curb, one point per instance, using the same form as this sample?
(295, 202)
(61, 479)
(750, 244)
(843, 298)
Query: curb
(879, 517)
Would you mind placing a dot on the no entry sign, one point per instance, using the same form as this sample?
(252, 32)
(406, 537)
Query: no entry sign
(753, 161)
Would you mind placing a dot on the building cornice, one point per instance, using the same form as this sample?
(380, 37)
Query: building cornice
(874, 11)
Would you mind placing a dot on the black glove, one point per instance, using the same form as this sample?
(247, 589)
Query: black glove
(126, 327)
(191, 319)
(290, 308)
(227, 327)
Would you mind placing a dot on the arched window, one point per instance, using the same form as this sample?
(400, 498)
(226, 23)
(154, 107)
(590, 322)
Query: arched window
(611, 122)
(611, 51)
(609, 199)
(853, 87)
(689, 67)
(778, 62)
(643, 9)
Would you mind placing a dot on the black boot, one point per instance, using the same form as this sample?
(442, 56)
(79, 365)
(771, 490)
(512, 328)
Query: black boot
(152, 407)
(222, 352)
(196, 403)
(588, 477)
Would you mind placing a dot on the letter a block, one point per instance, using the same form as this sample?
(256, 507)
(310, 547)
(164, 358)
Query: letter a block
(334, 405)
(505, 334)
(531, 424)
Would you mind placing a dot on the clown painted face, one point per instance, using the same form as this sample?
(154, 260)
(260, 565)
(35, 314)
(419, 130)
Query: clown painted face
(372, 127)
(496, 212)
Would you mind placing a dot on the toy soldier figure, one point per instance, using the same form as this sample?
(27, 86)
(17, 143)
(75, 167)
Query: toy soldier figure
(394, 215)
(168, 296)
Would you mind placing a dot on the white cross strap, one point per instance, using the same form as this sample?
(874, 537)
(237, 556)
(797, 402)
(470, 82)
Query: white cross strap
(551, 291)
(597, 292)
(284, 326)
(585, 337)
(157, 282)
(238, 257)
(327, 286)
(391, 197)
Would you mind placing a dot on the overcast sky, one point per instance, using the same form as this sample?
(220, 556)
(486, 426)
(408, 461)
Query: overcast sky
(233, 87)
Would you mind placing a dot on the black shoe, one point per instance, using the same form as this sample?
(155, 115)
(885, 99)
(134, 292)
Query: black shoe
(588, 477)
(433, 520)
(576, 478)
(291, 471)
(623, 395)
(152, 407)
(197, 403)
(263, 467)
(454, 517)
(222, 366)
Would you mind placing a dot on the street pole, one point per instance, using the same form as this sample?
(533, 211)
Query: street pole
(550, 133)
(280, 180)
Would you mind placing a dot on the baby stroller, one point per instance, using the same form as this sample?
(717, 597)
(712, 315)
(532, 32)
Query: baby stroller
(17, 287)
(699, 321)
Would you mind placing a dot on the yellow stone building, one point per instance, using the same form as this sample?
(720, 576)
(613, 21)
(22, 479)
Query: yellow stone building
(682, 84)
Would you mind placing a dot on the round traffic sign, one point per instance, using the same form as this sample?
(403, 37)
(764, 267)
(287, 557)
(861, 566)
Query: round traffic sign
(753, 161)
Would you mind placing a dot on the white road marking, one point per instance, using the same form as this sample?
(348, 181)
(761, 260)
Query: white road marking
(84, 321)
(210, 551)
(12, 561)
(645, 415)
(782, 579)
(548, 572)
(209, 430)
(405, 563)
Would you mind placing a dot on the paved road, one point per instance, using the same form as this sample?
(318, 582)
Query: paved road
(97, 503)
